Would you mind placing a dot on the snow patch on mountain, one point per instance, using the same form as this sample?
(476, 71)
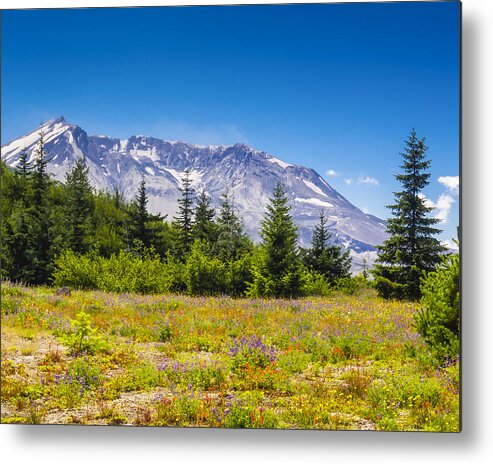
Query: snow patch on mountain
(315, 201)
(283, 164)
(312, 186)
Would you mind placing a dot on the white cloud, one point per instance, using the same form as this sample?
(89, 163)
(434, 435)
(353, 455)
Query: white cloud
(442, 206)
(348, 181)
(451, 182)
(332, 173)
(367, 180)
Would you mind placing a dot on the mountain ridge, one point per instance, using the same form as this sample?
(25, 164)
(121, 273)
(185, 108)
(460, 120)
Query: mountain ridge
(247, 173)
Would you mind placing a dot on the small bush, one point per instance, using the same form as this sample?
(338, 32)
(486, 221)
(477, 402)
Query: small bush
(205, 275)
(143, 377)
(315, 284)
(165, 334)
(347, 285)
(83, 338)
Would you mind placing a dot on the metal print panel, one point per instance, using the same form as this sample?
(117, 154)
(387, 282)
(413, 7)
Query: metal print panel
(266, 235)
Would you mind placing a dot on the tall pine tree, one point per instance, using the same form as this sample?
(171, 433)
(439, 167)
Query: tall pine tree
(279, 272)
(324, 258)
(231, 238)
(39, 217)
(184, 219)
(17, 246)
(411, 250)
(140, 217)
(79, 208)
(23, 168)
(204, 227)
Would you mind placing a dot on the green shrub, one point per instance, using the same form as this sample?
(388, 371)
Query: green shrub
(206, 275)
(165, 334)
(239, 274)
(144, 377)
(347, 285)
(315, 284)
(83, 338)
(75, 271)
(122, 272)
(388, 289)
(438, 320)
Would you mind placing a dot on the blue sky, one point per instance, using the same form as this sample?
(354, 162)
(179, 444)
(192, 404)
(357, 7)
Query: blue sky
(335, 87)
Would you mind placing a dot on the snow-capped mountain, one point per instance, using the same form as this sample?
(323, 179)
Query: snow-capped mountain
(250, 175)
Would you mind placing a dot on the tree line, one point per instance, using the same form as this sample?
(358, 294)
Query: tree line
(68, 234)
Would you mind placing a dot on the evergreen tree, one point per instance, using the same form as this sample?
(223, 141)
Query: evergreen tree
(39, 217)
(279, 273)
(203, 224)
(17, 246)
(40, 178)
(79, 209)
(184, 218)
(231, 238)
(324, 258)
(140, 217)
(146, 229)
(411, 250)
(118, 198)
(23, 168)
(365, 273)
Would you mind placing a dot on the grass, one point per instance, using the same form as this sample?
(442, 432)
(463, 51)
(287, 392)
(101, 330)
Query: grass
(342, 362)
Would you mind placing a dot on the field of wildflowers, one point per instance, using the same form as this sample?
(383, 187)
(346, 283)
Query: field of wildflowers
(341, 362)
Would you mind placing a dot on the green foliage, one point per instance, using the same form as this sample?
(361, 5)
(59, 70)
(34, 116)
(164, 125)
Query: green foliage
(277, 269)
(83, 338)
(124, 272)
(315, 284)
(86, 372)
(231, 242)
(347, 285)
(239, 273)
(39, 217)
(438, 321)
(143, 377)
(204, 227)
(241, 415)
(165, 334)
(325, 259)
(183, 221)
(79, 206)
(111, 223)
(145, 228)
(411, 250)
(205, 275)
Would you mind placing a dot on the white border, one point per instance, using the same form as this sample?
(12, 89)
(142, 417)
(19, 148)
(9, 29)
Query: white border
(51, 444)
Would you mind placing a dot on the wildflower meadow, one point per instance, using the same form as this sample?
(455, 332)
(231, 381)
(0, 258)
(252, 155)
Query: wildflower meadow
(340, 362)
